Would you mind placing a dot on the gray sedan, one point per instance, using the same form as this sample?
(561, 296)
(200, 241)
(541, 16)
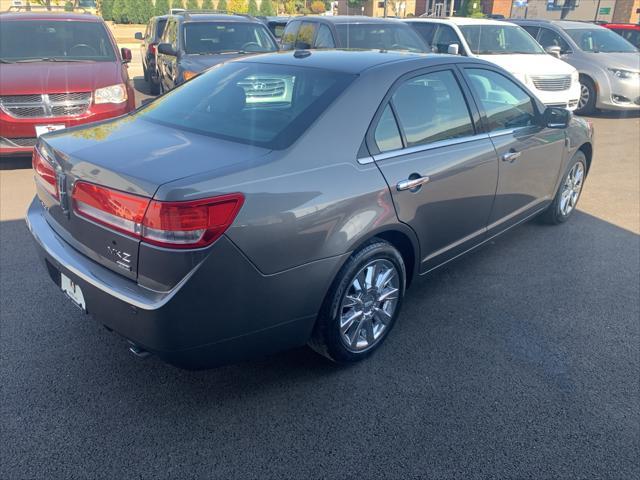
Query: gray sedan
(609, 66)
(216, 224)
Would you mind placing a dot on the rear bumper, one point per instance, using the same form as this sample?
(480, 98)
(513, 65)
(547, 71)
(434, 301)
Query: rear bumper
(18, 135)
(223, 311)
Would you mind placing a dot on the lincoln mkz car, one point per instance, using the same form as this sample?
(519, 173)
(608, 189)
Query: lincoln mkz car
(208, 228)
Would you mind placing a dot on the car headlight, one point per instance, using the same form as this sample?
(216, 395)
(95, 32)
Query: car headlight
(620, 73)
(188, 74)
(111, 94)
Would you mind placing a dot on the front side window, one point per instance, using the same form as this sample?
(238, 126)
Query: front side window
(599, 39)
(160, 28)
(305, 35)
(425, 30)
(506, 105)
(325, 38)
(36, 40)
(290, 34)
(549, 38)
(499, 40)
(258, 104)
(379, 36)
(226, 37)
(445, 36)
(432, 107)
(387, 136)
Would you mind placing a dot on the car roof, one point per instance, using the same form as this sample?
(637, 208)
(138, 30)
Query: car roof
(341, 19)
(563, 24)
(351, 61)
(458, 21)
(18, 16)
(215, 17)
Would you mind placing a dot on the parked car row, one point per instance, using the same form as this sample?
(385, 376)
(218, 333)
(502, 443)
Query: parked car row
(541, 54)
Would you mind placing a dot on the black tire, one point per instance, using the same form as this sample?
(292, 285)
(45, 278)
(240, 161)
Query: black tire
(146, 74)
(327, 339)
(553, 215)
(154, 88)
(590, 106)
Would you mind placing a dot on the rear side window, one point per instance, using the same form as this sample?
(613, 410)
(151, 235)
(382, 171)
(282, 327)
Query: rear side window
(381, 36)
(325, 37)
(432, 107)
(506, 104)
(258, 104)
(289, 35)
(203, 38)
(387, 135)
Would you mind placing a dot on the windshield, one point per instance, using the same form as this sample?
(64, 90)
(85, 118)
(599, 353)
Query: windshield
(219, 37)
(599, 40)
(499, 40)
(258, 104)
(35, 40)
(379, 36)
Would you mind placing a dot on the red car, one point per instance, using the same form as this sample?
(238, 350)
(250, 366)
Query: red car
(57, 70)
(628, 31)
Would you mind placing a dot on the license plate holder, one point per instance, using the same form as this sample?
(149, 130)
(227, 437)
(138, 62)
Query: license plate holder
(73, 291)
(42, 129)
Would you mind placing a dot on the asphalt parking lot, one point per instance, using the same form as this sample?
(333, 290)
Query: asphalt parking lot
(521, 360)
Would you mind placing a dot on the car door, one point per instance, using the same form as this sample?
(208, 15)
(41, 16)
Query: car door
(162, 59)
(441, 172)
(530, 153)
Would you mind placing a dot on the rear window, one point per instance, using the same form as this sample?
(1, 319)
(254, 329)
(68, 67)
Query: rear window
(219, 37)
(379, 36)
(34, 40)
(265, 105)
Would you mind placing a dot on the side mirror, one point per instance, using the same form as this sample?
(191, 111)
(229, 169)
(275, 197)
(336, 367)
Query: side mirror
(453, 49)
(166, 49)
(553, 50)
(126, 54)
(556, 117)
(138, 36)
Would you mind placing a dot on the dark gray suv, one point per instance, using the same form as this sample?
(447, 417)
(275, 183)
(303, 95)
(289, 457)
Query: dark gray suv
(192, 42)
(216, 223)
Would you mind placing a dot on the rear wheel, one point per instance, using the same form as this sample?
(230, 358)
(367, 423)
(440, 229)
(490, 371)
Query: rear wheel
(587, 100)
(154, 88)
(568, 193)
(363, 304)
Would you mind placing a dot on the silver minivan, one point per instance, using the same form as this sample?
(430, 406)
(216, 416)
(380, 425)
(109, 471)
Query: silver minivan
(609, 65)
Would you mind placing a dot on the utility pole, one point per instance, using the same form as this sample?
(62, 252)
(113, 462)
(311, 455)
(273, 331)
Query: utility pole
(595, 19)
(385, 9)
(451, 8)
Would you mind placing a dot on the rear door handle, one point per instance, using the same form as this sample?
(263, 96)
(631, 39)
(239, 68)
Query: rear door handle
(511, 156)
(411, 183)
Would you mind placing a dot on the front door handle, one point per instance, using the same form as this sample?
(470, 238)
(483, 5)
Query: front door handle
(511, 156)
(411, 183)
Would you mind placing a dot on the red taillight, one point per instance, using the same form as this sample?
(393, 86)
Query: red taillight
(153, 48)
(45, 173)
(190, 224)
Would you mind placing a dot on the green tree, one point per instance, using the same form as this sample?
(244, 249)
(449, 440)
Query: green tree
(470, 8)
(317, 6)
(266, 8)
(252, 8)
(177, 4)
(106, 9)
(357, 5)
(289, 7)
(120, 11)
(222, 6)
(207, 5)
(238, 6)
(192, 5)
(162, 7)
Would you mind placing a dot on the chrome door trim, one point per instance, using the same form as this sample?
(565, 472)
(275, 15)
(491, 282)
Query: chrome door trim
(423, 148)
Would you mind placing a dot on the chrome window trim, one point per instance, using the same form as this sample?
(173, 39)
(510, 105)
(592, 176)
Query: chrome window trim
(428, 146)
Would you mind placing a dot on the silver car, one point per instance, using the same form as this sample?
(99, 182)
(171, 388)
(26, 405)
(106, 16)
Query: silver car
(207, 228)
(609, 65)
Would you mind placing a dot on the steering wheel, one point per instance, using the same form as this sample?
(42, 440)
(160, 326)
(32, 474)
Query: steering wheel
(247, 47)
(80, 47)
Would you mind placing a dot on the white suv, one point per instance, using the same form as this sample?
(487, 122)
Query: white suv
(509, 46)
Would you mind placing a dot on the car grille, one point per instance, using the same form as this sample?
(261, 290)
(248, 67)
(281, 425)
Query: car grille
(263, 87)
(552, 83)
(46, 105)
(18, 142)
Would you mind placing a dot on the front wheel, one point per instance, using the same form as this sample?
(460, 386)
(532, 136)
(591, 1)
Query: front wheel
(568, 193)
(363, 304)
(587, 100)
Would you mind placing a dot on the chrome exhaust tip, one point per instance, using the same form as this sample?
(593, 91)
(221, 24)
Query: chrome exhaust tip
(138, 351)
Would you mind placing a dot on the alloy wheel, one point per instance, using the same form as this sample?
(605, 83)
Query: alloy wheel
(369, 305)
(584, 96)
(571, 188)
